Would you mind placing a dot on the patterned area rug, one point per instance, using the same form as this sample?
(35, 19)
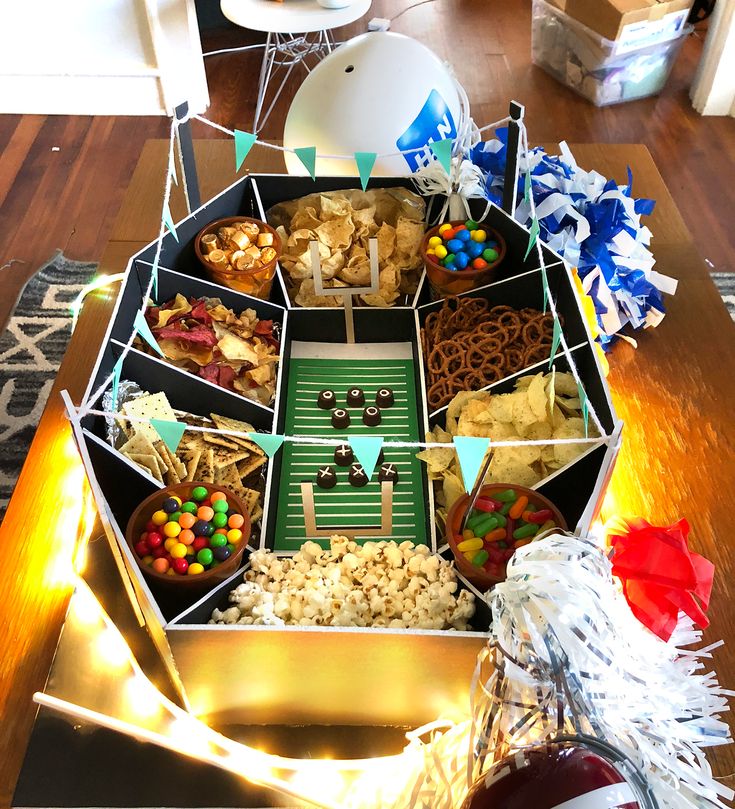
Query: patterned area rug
(31, 350)
(725, 283)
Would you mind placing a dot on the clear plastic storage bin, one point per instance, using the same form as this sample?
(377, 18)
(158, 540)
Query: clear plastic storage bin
(599, 69)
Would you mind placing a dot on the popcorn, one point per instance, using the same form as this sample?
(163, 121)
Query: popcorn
(380, 584)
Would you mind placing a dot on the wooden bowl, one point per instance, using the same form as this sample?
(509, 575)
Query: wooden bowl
(481, 578)
(255, 282)
(201, 582)
(453, 282)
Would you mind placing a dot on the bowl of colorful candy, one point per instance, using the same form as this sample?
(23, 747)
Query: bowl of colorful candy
(239, 252)
(460, 256)
(504, 518)
(189, 535)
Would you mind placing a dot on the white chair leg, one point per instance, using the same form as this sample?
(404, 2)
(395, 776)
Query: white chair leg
(265, 74)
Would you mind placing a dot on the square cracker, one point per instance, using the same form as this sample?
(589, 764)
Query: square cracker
(149, 462)
(225, 423)
(228, 476)
(205, 469)
(250, 498)
(220, 440)
(192, 462)
(170, 458)
(139, 443)
(246, 468)
(154, 406)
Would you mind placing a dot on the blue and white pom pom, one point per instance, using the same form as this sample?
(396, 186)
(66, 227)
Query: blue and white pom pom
(594, 224)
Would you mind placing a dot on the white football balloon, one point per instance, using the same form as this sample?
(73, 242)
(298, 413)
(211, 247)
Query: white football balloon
(379, 92)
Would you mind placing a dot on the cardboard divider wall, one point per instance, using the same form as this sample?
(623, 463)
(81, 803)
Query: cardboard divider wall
(300, 674)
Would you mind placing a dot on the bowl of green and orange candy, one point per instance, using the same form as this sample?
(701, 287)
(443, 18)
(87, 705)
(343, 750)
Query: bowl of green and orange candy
(503, 518)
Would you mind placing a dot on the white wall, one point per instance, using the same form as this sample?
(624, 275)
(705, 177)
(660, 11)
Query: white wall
(100, 57)
(713, 90)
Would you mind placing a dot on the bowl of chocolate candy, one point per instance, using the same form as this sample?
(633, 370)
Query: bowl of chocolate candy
(239, 252)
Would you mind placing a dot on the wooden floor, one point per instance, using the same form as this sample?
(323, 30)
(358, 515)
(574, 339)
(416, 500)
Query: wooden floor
(62, 178)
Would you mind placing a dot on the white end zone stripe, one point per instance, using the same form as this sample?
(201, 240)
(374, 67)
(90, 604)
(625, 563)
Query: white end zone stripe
(607, 797)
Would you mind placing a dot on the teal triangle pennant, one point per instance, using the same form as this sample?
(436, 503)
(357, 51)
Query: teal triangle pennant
(169, 222)
(470, 452)
(365, 162)
(116, 371)
(442, 149)
(269, 443)
(243, 144)
(170, 432)
(144, 331)
(366, 449)
(527, 187)
(585, 408)
(545, 285)
(555, 340)
(533, 233)
(307, 155)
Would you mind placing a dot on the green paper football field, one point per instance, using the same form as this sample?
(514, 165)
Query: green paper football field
(347, 506)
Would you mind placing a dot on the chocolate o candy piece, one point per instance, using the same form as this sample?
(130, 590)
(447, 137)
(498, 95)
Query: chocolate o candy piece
(326, 400)
(355, 397)
(343, 455)
(371, 416)
(384, 397)
(388, 473)
(325, 478)
(357, 476)
(340, 418)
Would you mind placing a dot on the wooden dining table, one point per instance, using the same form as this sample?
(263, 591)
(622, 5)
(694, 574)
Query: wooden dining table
(675, 393)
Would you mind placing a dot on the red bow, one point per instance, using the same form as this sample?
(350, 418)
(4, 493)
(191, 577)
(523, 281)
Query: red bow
(661, 576)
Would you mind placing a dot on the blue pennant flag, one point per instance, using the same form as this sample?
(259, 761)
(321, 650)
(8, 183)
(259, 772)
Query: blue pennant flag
(585, 408)
(365, 162)
(442, 149)
(144, 331)
(243, 144)
(169, 222)
(307, 155)
(366, 449)
(470, 452)
(532, 236)
(545, 285)
(268, 442)
(555, 340)
(170, 432)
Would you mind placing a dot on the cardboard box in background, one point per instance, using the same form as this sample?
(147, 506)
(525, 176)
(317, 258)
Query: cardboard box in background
(631, 22)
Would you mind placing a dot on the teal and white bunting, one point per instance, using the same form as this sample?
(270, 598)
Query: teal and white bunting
(442, 150)
(243, 144)
(170, 432)
(470, 452)
(585, 407)
(365, 162)
(545, 285)
(555, 340)
(366, 449)
(533, 233)
(168, 221)
(144, 331)
(268, 442)
(307, 155)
